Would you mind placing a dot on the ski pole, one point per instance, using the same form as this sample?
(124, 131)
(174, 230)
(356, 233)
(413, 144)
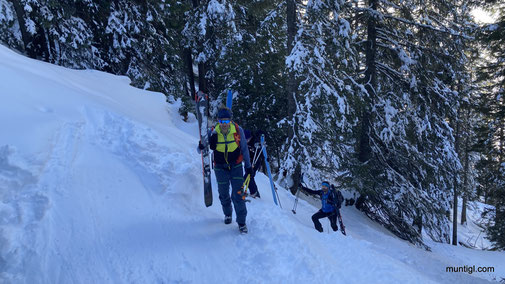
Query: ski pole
(297, 196)
(276, 193)
(296, 201)
(257, 157)
(244, 187)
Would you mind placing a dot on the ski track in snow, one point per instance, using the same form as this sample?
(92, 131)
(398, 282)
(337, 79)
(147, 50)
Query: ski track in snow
(111, 192)
(122, 146)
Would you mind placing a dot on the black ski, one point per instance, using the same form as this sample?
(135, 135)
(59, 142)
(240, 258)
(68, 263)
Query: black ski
(341, 223)
(202, 104)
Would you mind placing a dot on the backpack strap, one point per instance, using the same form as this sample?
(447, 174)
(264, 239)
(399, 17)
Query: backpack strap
(236, 135)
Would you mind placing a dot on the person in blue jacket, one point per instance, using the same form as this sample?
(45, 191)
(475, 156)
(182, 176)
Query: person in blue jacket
(229, 144)
(330, 206)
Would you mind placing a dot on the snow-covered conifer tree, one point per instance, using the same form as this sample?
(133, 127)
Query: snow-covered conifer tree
(321, 60)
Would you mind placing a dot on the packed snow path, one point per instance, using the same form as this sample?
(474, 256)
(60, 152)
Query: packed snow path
(101, 183)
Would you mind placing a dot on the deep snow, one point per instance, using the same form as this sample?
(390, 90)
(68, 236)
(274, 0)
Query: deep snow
(100, 182)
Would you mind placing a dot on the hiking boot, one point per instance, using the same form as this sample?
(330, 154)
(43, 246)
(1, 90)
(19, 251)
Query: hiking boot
(255, 195)
(227, 220)
(242, 229)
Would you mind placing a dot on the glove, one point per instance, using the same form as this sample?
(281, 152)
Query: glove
(213, 141)
(200, 145)
(250, 172)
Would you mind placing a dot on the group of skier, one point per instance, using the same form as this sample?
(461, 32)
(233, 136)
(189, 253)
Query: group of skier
(232, 146)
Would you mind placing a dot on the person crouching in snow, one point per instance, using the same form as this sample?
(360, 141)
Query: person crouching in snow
(330, 206)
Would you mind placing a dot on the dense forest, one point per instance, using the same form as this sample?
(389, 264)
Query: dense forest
(401, 102)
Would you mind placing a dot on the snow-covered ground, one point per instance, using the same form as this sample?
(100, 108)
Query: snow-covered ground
(100, 182)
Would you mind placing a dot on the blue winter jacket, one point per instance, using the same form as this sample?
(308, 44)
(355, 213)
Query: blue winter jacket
(328, 204)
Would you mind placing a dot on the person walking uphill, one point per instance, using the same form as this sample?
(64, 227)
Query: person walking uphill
(255, 153)
(330, 206)
(229, 144)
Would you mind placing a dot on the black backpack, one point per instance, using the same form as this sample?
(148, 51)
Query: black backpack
(336, 196)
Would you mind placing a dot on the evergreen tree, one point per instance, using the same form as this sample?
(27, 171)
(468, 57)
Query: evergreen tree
(406, 158)
(252, 67)
(491, 167)
(138, 39)
(9, 26)
(240, 45)
(321, 61)
(141, 40)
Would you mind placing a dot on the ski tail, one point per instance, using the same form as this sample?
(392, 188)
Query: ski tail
(341, 223)
(229, 99)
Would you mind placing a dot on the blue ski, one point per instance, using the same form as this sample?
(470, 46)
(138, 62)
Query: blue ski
(229, 99)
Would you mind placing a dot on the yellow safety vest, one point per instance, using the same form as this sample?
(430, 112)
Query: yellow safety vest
(229, 143)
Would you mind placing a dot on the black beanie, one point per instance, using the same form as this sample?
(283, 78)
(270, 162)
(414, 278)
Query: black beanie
(224, 113)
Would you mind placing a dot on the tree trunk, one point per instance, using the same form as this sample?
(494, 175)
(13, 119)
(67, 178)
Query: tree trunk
(356, 25)
(188, 61)
(291, 88)
(466, 172)
(25, 36)
(418, 221)
(364, 152)
(291, 82)
(455, 201)
(371, 51)
(463, 210)
(455, 214)
(501, 155)
(202, 82)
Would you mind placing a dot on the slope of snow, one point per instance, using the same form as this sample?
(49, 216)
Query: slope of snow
(100, 182)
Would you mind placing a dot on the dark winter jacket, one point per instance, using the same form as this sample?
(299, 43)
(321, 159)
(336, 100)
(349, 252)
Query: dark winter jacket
(253, 149)
(329, 200)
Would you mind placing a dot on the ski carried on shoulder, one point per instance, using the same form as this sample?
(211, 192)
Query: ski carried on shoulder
(202, 104)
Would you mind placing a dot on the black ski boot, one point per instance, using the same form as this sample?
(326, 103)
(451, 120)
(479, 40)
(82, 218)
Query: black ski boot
(242, 229)
(227, 220)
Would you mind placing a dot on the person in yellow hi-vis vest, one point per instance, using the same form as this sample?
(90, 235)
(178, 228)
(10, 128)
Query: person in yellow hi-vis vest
(229, 144)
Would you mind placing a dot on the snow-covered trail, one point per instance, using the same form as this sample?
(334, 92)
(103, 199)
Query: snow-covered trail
(101, 183)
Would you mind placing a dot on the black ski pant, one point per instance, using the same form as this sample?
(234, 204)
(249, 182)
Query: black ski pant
(320, 214)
